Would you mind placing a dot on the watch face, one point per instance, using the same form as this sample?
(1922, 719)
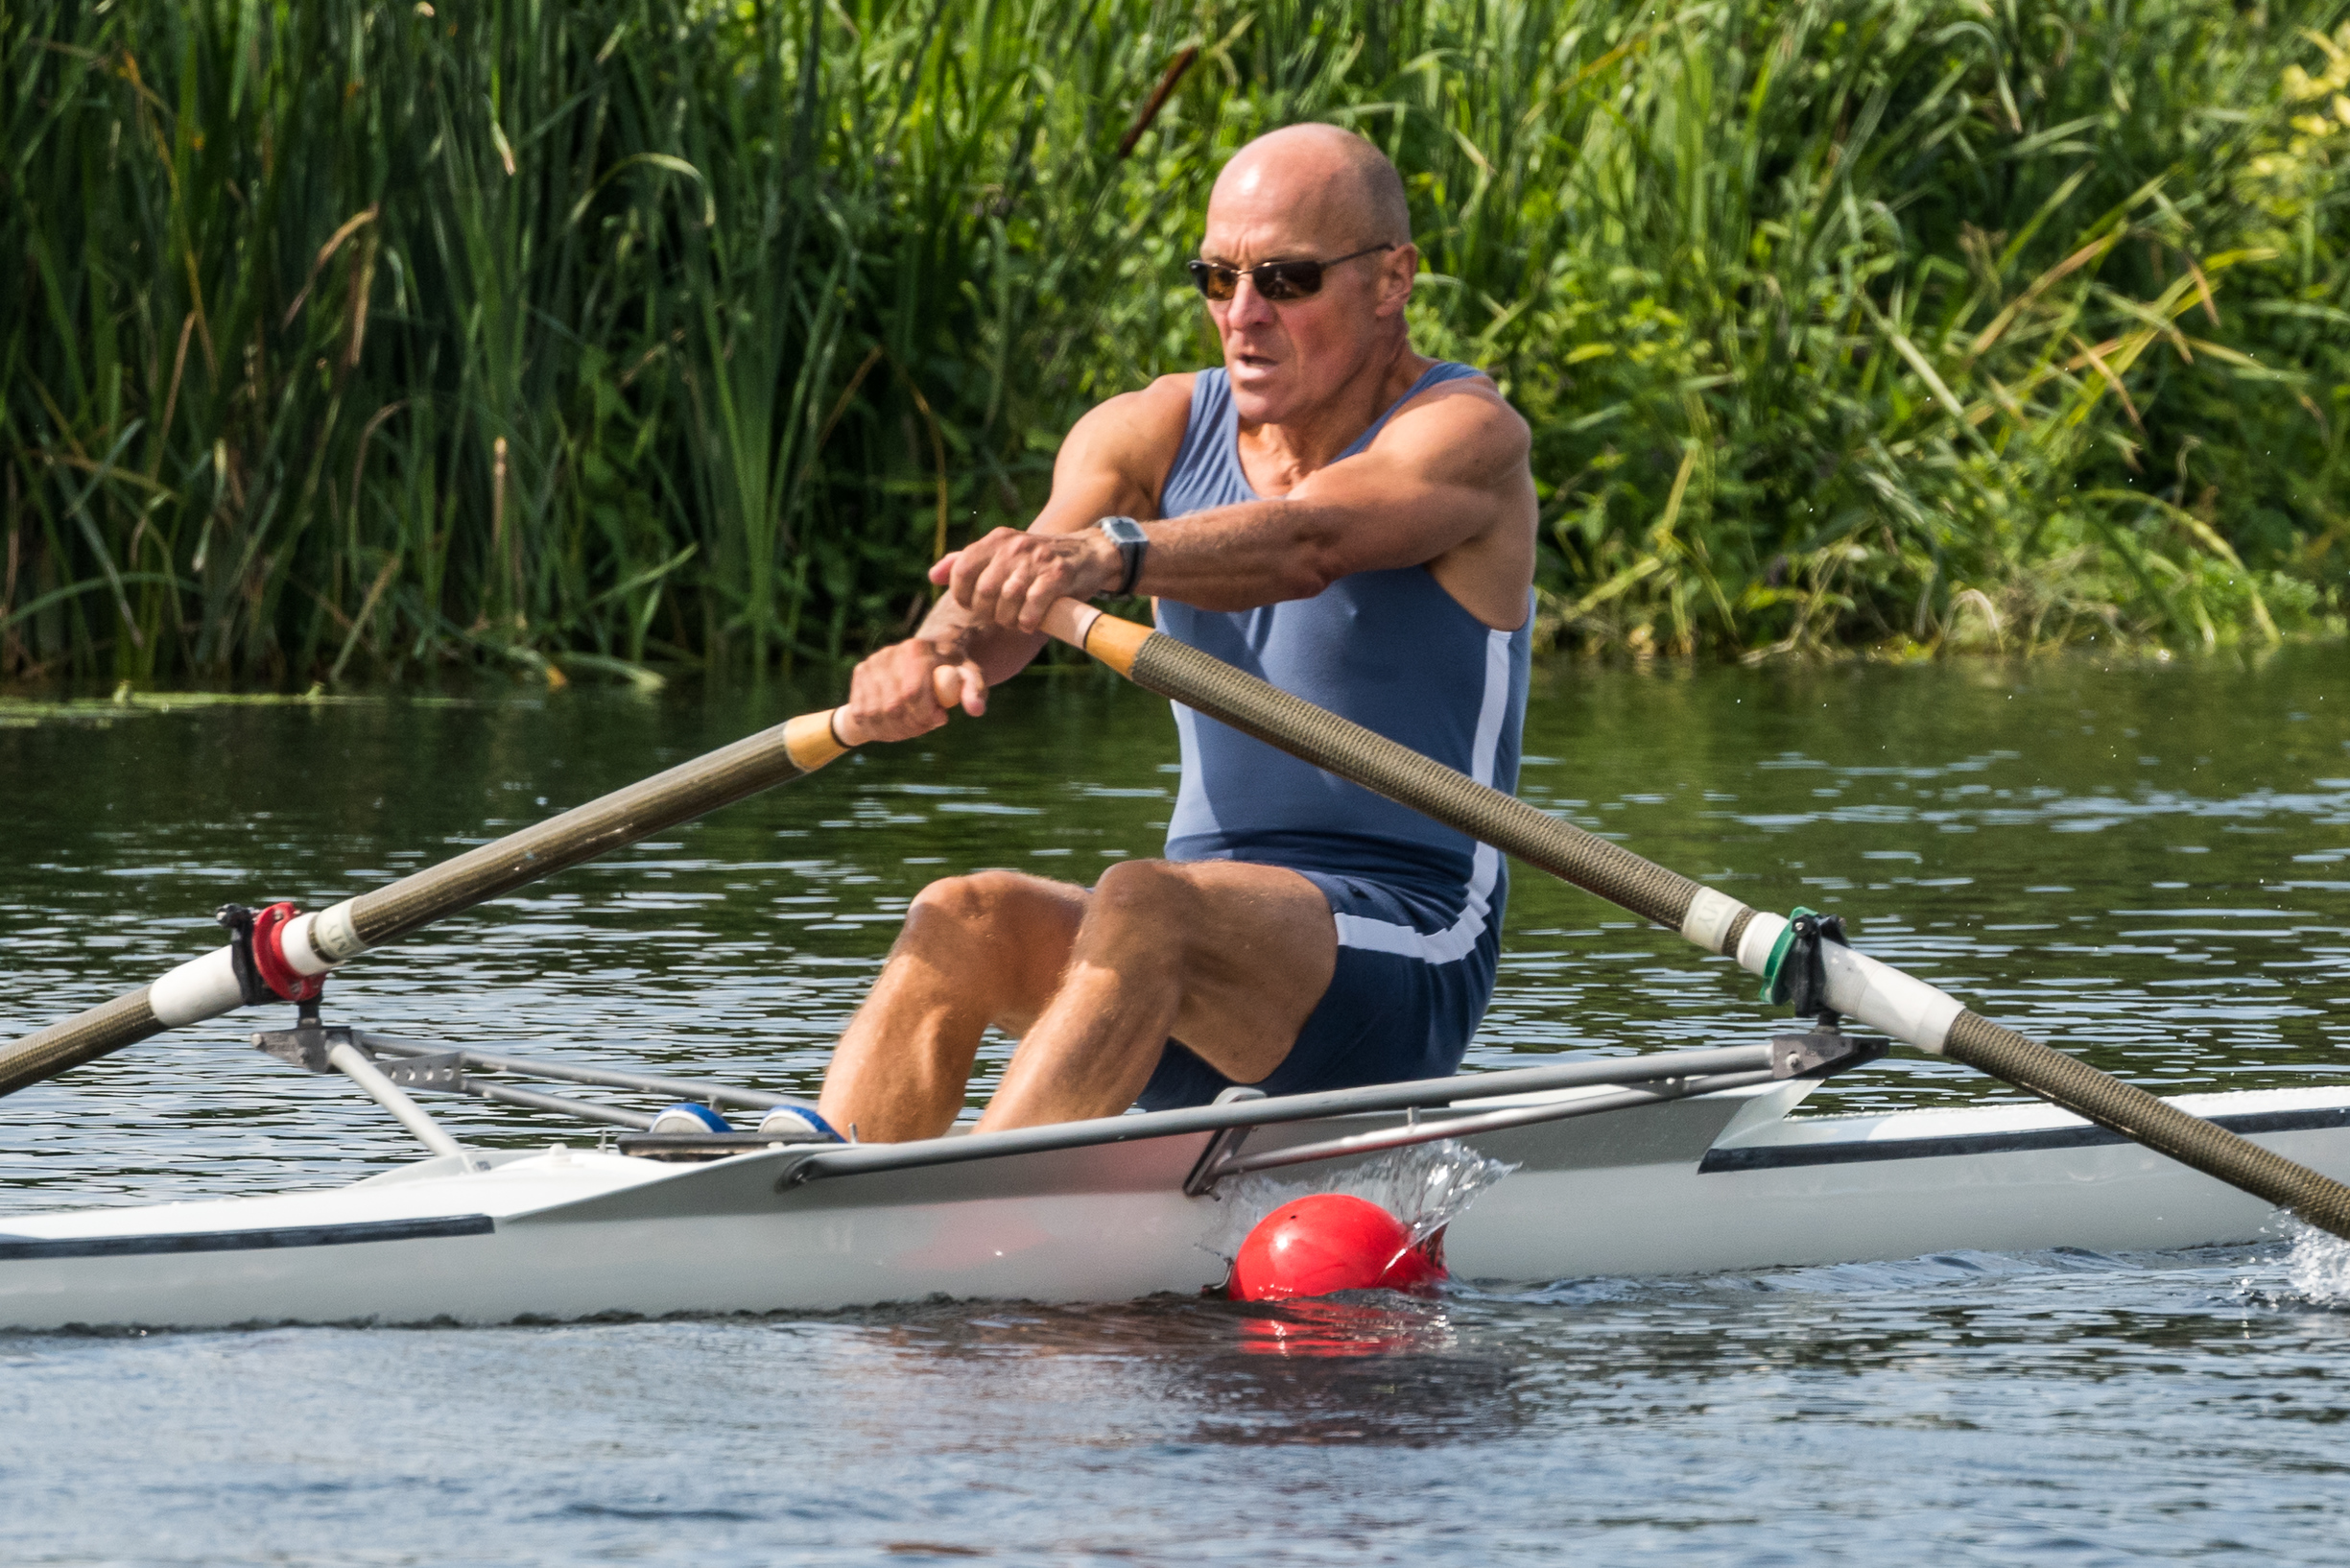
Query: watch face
(1124, 531)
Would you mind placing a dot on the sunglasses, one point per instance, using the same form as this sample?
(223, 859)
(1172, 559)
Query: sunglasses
(1275, 280)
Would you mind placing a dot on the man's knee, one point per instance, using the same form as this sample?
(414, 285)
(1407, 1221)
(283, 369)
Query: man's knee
(1141, 891)
(963, 900)
(988, 904)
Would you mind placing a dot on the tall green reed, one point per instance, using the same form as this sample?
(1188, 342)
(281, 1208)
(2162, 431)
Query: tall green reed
(1833, 320)
(352, 335)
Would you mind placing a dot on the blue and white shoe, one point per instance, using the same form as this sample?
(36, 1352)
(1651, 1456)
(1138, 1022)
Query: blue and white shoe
(690, 1119)
(796, 1123)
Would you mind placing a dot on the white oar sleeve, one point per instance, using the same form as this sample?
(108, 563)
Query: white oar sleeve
(199, 988)
(314, 943)
(1877, 995)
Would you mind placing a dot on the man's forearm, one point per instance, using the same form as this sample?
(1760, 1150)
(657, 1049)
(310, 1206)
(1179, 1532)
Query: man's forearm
(1241, 557)
(1000, 652)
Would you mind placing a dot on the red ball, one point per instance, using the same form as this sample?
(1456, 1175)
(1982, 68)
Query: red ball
(1330, 1242)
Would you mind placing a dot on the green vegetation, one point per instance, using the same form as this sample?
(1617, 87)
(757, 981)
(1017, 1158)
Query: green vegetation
(349, 335)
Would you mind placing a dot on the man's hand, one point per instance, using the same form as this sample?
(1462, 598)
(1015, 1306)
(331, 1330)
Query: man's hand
(908, 688)
(1009, 579)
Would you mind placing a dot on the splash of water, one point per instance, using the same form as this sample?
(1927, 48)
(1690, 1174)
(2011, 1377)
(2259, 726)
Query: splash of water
(1427, 1186)
(2317, 1268)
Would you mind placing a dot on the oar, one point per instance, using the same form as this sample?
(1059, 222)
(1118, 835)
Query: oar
(310, 944)
(1858, 986)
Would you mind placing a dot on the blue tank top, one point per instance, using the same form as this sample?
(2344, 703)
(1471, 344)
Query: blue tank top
(1392, 650)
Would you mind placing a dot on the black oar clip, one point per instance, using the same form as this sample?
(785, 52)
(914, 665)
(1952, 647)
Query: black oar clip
(256, 952)
(1797, 973)
(239, 921)
(305, 1045)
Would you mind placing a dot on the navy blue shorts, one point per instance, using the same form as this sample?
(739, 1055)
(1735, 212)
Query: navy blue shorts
(1411, 987)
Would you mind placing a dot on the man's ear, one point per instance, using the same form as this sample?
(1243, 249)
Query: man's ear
(1397, 270)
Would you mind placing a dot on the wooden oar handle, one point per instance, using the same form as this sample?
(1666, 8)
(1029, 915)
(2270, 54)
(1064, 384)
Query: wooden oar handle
(1088, 630)
(815, 739)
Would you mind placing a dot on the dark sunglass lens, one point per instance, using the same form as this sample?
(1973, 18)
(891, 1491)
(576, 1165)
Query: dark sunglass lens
(1289, 279)
(1216, 282)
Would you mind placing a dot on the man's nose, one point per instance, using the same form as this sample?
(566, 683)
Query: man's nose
(1250, 307)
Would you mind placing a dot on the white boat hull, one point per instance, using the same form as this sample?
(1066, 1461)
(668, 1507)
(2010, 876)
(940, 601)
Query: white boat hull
(1694, 1186)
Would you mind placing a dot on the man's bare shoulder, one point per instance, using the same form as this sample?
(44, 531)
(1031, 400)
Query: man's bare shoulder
(1130, 440)
(1150, 415)
(1468, 414)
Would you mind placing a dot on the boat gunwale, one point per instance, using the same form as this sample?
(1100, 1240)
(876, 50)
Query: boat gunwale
(1416, 1094)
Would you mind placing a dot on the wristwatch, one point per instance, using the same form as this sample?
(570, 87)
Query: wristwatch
(1132, 544)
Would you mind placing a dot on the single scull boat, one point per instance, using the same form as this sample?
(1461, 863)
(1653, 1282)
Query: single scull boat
(1683, 1162)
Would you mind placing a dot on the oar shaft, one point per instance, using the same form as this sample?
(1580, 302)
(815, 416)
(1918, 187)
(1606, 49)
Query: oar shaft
(1207, 684)
(791, 750)
(207, 987)
(2102, 1097)
(85, 1036)
(1858, 987)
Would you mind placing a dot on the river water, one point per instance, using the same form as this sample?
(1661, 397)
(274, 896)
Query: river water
(2144, 862)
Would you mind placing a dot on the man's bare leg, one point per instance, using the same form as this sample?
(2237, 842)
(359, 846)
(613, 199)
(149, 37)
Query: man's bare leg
(1227, 957)
(979, 950)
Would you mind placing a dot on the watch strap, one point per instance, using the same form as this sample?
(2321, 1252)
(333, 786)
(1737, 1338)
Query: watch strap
(1132, 544)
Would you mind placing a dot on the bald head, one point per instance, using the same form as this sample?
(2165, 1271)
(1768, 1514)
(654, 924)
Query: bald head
(1341, 186)
(1312, 192)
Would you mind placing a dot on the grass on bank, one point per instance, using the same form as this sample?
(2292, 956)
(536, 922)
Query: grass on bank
(354, 335)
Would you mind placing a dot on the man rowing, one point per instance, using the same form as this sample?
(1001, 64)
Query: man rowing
(1347, 518)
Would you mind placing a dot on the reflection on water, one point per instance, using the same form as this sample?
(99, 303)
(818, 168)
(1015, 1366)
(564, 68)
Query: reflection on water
(1371, 1366)
(1351, 1324)
(2144, 863)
